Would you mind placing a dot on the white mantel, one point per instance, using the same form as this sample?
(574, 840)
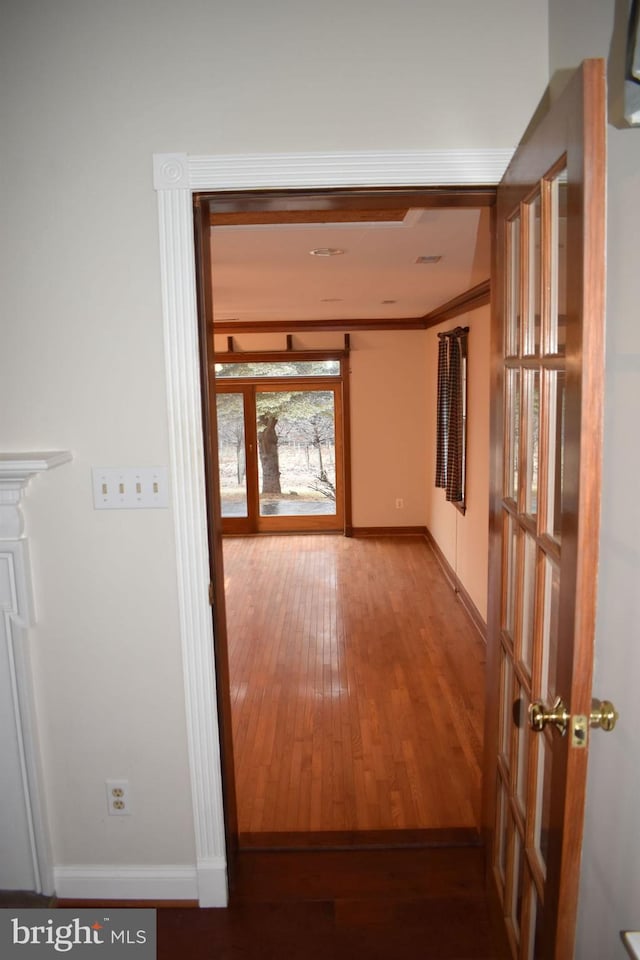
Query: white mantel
(16, 470)
(24, 835)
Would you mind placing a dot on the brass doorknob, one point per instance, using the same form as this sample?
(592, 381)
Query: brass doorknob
(603, 715)
(539, 716)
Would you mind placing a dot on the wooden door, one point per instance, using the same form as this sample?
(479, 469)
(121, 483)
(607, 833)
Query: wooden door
(547, 383)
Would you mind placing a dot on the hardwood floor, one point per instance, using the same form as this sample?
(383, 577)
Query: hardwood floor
(378, 904)
(357, 688)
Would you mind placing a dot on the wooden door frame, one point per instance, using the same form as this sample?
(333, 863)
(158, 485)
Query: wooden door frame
(177, 176)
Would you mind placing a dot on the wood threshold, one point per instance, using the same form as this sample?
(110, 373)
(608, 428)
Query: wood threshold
(361, 839)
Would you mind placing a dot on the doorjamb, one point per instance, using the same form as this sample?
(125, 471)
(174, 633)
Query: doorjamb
(177, 176)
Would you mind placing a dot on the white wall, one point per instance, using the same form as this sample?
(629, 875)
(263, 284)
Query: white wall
(91, 89)
(610, 876)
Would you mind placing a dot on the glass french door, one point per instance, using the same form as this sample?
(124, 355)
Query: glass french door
(548, 362)
(534, 416)
(280, 456)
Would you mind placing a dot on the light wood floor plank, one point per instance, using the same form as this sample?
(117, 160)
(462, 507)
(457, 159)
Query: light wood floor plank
(357, 686)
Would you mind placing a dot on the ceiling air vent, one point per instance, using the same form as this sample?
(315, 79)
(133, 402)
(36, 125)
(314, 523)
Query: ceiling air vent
(431, 259)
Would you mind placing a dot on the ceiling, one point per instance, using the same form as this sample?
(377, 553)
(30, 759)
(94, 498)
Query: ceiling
(265, 271)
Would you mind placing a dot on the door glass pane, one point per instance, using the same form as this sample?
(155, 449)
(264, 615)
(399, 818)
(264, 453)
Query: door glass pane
(513, 288)
(296, 447)
(512, 429)
(533, 440)
(550, 613)
(543, 800)
(532, 317)
(232, 463)
(528, 603)
(506, 701)
(535, 926)
(518, 883)
(501, 832)
(522, 721)
(558, 313)
(555, 466)
(510, 575)
(537, 953)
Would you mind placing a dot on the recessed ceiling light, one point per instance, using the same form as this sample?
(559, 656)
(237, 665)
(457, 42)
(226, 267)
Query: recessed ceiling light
(326, 252)
(428, 259)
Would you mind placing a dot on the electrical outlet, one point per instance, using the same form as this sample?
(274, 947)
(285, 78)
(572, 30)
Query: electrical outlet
(399, 503)
(118, 798)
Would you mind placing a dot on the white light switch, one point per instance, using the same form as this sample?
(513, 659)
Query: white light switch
(130, 488)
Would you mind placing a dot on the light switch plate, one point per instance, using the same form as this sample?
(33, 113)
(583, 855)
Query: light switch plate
(130, 488)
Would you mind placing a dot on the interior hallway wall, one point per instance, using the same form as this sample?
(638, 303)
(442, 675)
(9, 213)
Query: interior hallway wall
(90, 91)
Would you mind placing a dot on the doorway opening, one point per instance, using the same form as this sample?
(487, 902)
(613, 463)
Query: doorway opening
(234, 420)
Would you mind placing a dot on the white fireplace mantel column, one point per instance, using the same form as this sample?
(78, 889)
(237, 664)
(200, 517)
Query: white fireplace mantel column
(24, 834)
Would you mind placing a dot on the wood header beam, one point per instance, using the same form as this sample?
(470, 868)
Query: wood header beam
(386, 202)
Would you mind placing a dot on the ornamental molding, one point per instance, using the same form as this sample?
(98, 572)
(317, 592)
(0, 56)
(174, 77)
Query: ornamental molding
(417, 168)
(16, 470)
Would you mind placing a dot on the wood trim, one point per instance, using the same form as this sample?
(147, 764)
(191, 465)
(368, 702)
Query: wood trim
(276, 356)
(329, 324)
(202, 239)
(388, 531)
(345, 371)
(457, 586)
(261, 217)
(349, 202)
(472, 299)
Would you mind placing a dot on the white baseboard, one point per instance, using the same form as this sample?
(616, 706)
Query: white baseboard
(207, 883)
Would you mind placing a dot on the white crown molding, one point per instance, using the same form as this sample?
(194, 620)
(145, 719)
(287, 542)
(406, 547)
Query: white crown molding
(176, 177)
(16, 470)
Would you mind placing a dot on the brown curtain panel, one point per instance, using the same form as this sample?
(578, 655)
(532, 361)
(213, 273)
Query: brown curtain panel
(452, 348)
